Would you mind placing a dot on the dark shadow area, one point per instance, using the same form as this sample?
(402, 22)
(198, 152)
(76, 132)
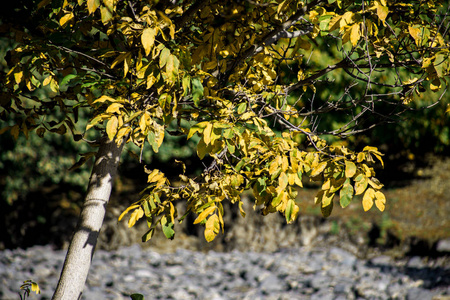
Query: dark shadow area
(432, 277)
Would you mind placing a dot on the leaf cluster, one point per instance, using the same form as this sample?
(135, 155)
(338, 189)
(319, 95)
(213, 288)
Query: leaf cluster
(237, 75)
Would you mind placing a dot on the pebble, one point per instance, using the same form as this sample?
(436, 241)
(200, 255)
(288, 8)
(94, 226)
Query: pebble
(295, 273)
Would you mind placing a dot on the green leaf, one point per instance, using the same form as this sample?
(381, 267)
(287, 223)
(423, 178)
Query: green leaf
(151, 138)
(106, 12)
(197, 91)
(186, 84)
(346, 194)
(67, 79)
(202, 149)
(289, 210)
(167, 228)
(137, 297)
(326, 210)
(148, 235)
(242, 108)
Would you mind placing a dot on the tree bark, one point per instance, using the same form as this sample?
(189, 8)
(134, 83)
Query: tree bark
(81, 249)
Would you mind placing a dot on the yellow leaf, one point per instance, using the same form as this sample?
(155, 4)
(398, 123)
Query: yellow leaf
(355, 34)
(292, 178)
(298, 179)
(212, 228)
(46, 80)
(114, 108)
(106, 13)
(109, 4)
(346, 19)
(382, 12)
(103, 99)
(152, 174)
(205, 213)
(207, 133)
(284, 164)
(350, 169)
(159, 134)
(111, 127)
(326, 185)
(124, 131)
(65, 19)
(127, 210)
(361, 156)
(415, 33)
(282, 181)
(368, 197)
(144, 122)
(148, 39)
(361, 185)
(93, 5)
(273, 166)
(375, 183)
(334, 23)
(135, 216)
(380, 200)
(326, 210)
(327, 199)
(120, 58)
(35, 288)
(318, 169)
(435, 85)
(172, 65)
(155, 176)
(282, 6)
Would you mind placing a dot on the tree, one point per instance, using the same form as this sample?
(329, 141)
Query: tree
(237, 74)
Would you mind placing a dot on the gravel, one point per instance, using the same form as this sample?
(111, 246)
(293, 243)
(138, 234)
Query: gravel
(297, 273)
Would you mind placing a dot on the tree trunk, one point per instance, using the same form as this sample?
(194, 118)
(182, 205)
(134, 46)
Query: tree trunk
(81, 249)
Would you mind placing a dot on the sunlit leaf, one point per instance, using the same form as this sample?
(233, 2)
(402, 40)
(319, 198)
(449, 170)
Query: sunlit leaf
(212, 228)
(368, 198)
(319, 169)
(65, 19)
(148, 39)
(93, 5)
(380, 200)
(382, 12)
(111, 127)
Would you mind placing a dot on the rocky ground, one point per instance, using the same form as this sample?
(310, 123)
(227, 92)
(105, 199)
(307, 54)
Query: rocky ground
(294, 273)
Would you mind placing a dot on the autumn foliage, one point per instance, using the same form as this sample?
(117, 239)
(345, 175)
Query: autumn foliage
(239, 76)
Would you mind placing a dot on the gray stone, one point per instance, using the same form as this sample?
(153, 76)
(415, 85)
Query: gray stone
(381, 260)
(323, 294)
(343, 288)
(272, 284)
(419, 294)
(415, 262)
(443, 245)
